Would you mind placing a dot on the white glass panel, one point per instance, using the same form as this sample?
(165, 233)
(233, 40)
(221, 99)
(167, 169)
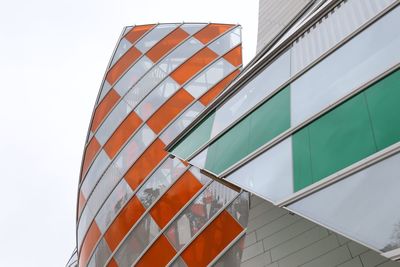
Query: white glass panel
(364, 206)
(144, 86)
(134, 148)
(113, 120)
(84, 223)
(209, 77)
(104, 90)
(200, 160)
(127, 29)
(133, 75)
(270, 175)
(160, 181)
(198, 213)
(123, 46)
(252, 93)
(156, 98)
(137, 241)
(100, 255)
(181, 123)
(180, 54)
(117, 199)
(154, 36)
(96, 170)
(193, 28)
(347, 68)
(239, 209)
(201, 177)
(226, 42)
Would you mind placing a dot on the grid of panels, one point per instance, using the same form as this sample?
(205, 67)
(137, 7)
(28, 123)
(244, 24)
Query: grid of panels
(160, 77)
(299, 128)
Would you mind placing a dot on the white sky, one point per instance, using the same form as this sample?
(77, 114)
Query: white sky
(53, 55)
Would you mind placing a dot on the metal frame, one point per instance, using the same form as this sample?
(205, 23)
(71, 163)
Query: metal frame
(393, 254)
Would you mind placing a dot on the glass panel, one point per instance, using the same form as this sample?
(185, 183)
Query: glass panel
(155, 35)
(198, 213)
(203, 179)
(160, 181)
(181, 123)
(209, 77)
(106, 87)
(95, 172)
(113, 120)
(145, 85)
(200, 160)
(179, 55)
(269, 175)
(252, 93)
(179, 263)
(133, 75)
(233, 256)
(134, 148)
(226, 42)
(123, 46)
(101, 191)
(100, 255)
(347, 68)
(192, 28)
(363, 206)
(84, 222)
(239, 209)
(137, 241)
(117, 199)
(156, 98)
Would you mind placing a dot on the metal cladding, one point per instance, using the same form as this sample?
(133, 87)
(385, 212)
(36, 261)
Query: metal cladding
(137, 205)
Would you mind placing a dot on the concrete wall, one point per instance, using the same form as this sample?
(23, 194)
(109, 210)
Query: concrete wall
(276, 238)
(273, 16)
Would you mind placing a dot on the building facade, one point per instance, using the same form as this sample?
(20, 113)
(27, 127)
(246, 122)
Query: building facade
(138, 206)
(311, 129)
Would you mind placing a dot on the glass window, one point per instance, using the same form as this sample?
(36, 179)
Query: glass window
(136, 241)
(106, 87)
(269, 175)
(100, 255)
(363, 206)
(113, 120)
(252, 93)
(123, 46)
(239, 209)
(160, 181)
(133, 75)
(134, 148)
(145, 86)
(192, 28)
(233, 256)
(154, 36)
(95, 172)
(84, 222)
(117, 199)
(347, 68)
(179, 263)
(225, 43)
(181, 122)
(209, 77)
(198, 213)
(156, 98)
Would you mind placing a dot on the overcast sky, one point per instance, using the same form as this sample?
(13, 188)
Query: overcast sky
(53, 56)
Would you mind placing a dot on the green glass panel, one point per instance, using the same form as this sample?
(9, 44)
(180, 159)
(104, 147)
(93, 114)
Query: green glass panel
(383, 100)
(255, 130)
(195, 139)
(302, 172)
(270, 119)
(229, 148)
(341, 138)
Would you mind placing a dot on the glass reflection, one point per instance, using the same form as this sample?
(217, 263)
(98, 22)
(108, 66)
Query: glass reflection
(233, 256)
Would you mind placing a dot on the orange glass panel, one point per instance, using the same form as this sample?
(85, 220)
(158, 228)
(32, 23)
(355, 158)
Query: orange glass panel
(90, 152)
(92, 236)
(175, 198)
(169, 110)
(123, 223)
(103, 108)
(166, 44)
(159, 254)
(217, 89)
(123, 132)
(112, 263)
(122, 64)
(193, 65)
(211, 31)
(212, 240)
(134, 34)
(234, 56)
(81, 203)
(145, 164)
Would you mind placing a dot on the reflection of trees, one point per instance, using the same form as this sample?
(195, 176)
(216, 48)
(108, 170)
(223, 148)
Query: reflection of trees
(148, 196)
(395, 239)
